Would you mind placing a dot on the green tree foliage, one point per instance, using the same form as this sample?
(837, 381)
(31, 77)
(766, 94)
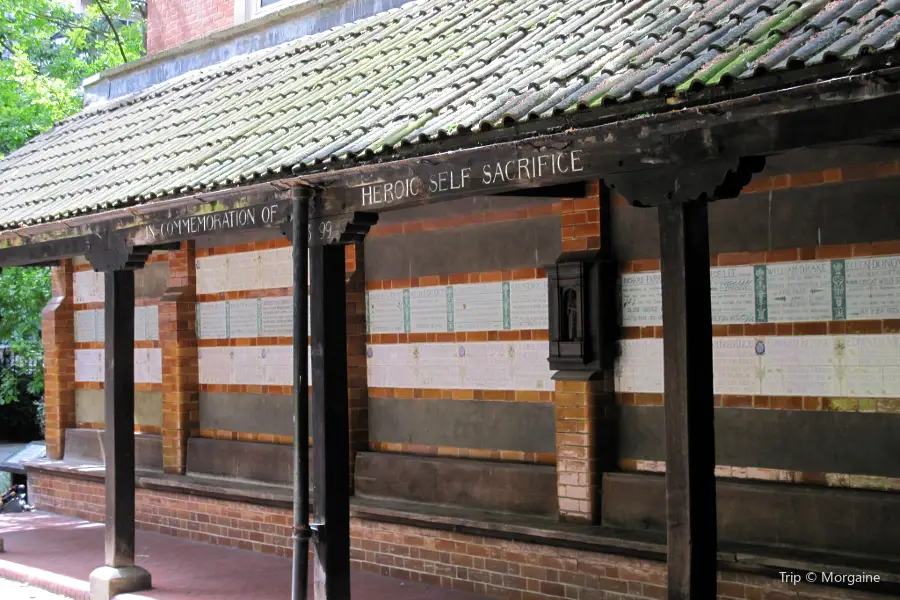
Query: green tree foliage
(47, 50)
(23, 294)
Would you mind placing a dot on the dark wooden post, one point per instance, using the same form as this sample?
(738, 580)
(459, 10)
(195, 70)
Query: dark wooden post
(330, 430)
(690, 441)
(681, 196)
(118, 262)
(119, 418)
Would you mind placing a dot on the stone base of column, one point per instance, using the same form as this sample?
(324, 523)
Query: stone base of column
(107, 582)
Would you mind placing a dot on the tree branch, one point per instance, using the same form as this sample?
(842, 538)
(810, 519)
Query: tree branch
(63, 23)
(114, 30)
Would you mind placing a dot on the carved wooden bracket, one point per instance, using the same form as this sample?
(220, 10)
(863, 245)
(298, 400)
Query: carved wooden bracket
(112, 253)
(354, 229)
(351, 228)
(715, 180)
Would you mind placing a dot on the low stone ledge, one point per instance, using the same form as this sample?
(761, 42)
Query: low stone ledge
(205, 487)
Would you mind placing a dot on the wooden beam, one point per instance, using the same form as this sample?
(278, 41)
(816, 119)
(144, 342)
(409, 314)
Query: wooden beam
(688, 399)
(330, 429)
(118, 390)
(575, 189)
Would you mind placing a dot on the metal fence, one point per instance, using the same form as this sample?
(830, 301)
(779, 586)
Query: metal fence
(26, 366)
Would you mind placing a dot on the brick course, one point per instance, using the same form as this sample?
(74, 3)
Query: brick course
(580, 406)
(581, 221)
(58, 333)
(180, 363)
(174, 22)
(500, 568)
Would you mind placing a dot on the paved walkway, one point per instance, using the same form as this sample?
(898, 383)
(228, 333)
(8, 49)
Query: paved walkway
(59, 553)
(21, 591)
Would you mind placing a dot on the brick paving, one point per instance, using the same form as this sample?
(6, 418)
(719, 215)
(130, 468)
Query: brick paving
(59, 553)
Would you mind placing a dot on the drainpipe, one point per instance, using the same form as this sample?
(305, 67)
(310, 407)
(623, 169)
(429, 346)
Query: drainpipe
(300, 237)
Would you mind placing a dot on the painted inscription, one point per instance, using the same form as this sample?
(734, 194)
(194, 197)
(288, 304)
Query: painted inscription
(504, 172)
(527, 305)
(641, 299)
(196, 225)
(428, 310)
(873, 287)
(732, 295)
(799, 291)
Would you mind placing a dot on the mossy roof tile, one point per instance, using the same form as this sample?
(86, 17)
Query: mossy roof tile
(430, 69)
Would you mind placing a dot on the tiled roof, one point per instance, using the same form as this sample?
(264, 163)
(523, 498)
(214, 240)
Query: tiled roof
(429, 68)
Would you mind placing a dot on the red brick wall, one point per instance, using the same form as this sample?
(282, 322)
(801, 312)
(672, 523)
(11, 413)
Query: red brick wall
(58, 331)
(180, 367)
(500, 568)
(174, 22)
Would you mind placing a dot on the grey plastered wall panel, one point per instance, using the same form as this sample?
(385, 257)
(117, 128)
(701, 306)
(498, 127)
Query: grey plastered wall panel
(478, 484)
(89, 406)
(817, 159)
(86, 445)
(271, 463)
(147, 407)
(489, 247)
(152, 280)
(517, 426)
(783, 514)
(247, 413)
(852, 212)
(812, 441)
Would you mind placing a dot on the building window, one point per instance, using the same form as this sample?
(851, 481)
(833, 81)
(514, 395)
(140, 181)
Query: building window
(250, 9)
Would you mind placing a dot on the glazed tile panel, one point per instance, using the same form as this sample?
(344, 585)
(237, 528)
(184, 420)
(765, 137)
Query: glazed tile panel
(89, 365)
(832, 366)
(842, 289)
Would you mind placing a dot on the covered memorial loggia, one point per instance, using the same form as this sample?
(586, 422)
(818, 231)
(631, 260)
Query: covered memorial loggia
(675, 153)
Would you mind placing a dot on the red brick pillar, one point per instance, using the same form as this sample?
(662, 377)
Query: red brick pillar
(581, 398)
(583, 408)
(581, 221)
(58, 335)
(357, 372)
(178, 341)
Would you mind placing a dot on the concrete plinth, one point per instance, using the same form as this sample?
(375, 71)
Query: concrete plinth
(107, 582)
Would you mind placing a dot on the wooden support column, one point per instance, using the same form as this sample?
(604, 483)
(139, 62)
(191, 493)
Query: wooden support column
(688, 388)
(58, 337)
(331, 407)
(119, 574)
(330, 429)
(681, 197)
(118, 401)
